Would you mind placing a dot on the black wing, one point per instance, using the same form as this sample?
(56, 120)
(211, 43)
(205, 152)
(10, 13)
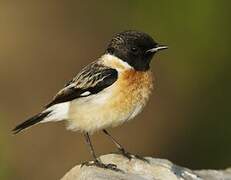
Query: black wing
(91, 80)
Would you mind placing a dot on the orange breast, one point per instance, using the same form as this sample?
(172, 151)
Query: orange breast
(133, 90)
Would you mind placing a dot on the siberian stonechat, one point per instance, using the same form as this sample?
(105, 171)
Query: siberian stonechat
(106, 93)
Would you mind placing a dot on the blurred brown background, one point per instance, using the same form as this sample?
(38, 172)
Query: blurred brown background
(43, 44)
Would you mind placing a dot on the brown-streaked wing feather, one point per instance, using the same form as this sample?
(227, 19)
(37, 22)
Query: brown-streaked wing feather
(92, 79)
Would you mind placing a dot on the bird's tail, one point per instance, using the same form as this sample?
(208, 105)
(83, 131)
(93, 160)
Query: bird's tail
(31, 121)
(54, 113)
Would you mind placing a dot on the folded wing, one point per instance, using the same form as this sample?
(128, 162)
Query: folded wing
(91, 80)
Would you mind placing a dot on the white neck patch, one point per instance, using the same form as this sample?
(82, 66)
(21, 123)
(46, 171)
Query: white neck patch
(115, 62)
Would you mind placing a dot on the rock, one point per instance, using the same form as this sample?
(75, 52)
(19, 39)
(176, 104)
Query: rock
(135, 169)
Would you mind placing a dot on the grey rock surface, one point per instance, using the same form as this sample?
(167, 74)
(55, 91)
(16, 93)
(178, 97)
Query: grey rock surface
(135, 169)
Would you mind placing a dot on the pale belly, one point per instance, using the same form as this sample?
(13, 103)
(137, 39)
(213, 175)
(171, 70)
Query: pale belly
(111, 107)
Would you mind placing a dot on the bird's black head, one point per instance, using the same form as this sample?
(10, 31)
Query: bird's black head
(135, 48)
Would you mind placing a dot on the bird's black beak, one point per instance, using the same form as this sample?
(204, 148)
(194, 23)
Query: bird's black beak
(157, 48)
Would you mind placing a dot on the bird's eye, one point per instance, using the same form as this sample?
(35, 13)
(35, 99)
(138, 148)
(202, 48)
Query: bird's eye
(134, 49)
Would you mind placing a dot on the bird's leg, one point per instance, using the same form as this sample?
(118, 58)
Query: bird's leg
(88, 141)
(97, 162)
(121, 149)
(118, 145)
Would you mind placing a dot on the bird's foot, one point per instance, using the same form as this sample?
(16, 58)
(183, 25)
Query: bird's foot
(99, 164)
(130, 156)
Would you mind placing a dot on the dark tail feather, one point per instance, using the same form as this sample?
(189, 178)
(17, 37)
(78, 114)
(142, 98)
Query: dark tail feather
(31, 121)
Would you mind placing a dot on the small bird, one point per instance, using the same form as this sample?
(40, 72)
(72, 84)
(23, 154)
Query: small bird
(106, 93)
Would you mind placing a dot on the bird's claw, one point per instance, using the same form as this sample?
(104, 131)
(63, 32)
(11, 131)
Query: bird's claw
(130, 156)
(99, 164)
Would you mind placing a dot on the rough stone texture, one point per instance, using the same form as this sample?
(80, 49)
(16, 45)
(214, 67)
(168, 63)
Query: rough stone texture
(157, 169)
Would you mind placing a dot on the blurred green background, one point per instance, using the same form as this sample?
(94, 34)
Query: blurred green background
(43, 44)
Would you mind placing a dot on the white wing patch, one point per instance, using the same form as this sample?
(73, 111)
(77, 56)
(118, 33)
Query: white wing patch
(86, 93)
